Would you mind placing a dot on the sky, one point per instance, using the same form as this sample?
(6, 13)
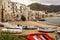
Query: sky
(45, 2)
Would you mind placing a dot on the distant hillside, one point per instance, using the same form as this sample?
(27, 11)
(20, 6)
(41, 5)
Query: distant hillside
(50, 8)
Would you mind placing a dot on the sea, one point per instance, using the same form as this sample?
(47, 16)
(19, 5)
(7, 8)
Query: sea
(53, 20)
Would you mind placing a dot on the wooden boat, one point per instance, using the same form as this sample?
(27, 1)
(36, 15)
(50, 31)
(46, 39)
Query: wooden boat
(49, 29)
(12, 30)
(38, 36)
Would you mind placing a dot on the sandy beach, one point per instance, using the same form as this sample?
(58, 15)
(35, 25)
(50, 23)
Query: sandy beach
(33, 23)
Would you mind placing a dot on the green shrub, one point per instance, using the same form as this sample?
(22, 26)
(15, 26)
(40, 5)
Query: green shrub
(23, 18)
(7, 36)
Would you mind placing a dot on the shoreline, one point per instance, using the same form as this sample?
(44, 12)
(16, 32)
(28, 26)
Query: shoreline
(32, 23)
(51, 23)
(47, 23)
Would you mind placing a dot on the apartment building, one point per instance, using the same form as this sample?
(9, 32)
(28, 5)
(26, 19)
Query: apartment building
(13, 11)
(0, 8)
(36, 15)
(20, 9)
(3, 7)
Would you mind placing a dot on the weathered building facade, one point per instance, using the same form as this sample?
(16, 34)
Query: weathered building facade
(36, 15)
(12, 11)
(0, 8)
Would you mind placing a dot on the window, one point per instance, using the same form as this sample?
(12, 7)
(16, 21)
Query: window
(5, 10)
(8, 6)
(17, 16)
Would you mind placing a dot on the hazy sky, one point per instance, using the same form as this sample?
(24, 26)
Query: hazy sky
(47, 2)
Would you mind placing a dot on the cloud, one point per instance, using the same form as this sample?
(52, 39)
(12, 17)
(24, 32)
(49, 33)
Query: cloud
(26, 2)
(54, 2)
(48, 2)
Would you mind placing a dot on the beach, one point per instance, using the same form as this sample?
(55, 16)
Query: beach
(33, 23)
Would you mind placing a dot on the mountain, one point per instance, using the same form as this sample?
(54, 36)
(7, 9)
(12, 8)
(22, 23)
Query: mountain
(41, 7)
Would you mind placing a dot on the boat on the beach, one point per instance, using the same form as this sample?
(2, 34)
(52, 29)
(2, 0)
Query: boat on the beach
(9, 25)
(39, 36)
(29, 27)
(47, 29)
(12, 30)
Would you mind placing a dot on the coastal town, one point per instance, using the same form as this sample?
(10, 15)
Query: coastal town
(13, 11)
(20, 19)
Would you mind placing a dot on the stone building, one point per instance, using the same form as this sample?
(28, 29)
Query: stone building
(20, 9)
(3, 7)
(0, 8)
(13, 11)
(36, 15)
(8, 11)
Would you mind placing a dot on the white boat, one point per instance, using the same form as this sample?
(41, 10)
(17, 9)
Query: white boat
(49, 29)
(1, 24)
(12, 30)
(9, 25)
(29, 27)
